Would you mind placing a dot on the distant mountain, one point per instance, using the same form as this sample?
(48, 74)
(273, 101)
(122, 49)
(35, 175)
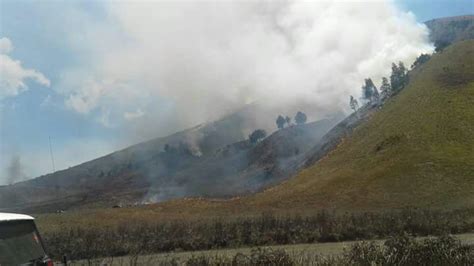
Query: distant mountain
(211, 160)
(451, 29)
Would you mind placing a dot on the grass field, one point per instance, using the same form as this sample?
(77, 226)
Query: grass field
(112, 233)
(298, 253)
(295, 251)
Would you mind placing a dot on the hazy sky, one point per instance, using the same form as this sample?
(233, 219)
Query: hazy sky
(96, 76)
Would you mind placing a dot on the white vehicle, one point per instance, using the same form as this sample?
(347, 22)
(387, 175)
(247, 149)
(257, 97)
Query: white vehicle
(20, 241)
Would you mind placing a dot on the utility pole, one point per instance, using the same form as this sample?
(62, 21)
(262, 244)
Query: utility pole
(51, 152)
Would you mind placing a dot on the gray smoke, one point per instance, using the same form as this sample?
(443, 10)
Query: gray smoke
(152, 68)
(15, 171)
(157, 67)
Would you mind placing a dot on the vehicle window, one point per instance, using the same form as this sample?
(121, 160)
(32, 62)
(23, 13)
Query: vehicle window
(19, 243)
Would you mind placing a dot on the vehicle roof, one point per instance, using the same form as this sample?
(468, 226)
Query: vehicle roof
(14, 217)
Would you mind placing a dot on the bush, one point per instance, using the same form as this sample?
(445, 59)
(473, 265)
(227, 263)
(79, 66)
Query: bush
(420, 60)
(364, 253)
(406, 250)
(444, 250)
(257, 135)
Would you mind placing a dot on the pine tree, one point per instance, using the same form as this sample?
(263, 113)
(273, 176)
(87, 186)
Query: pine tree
(288, 120)
(368, 89)
(375, 95)
(403, 74)
(399, 77)
(385, 88)
(394, 78)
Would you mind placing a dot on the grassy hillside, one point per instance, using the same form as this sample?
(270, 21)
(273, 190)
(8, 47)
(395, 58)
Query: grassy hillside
(417, 151)
(148, 172)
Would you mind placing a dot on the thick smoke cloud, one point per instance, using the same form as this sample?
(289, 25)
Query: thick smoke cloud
(161, 66)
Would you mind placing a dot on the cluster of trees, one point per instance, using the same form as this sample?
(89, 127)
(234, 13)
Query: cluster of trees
(300, 118)
(259, 134)
(398, 80)
(420, 60)
(181, 148)
(282, 121)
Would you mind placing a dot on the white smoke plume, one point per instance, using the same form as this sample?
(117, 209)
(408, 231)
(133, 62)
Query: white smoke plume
(181, 63)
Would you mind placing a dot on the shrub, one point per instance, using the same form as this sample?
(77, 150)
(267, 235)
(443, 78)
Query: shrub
(364, 253)
(257, 135)
(406, 250)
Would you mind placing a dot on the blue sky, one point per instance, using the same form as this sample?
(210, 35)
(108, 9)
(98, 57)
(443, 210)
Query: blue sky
(426, 10)
(41, 35)
(36, 31)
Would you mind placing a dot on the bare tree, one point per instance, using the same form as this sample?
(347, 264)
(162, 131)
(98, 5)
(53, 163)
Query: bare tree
(354, 104)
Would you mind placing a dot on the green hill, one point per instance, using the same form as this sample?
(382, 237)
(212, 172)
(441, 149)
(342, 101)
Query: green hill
(418, 150)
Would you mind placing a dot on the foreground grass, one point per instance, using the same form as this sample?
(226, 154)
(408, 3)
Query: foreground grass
(401, 249)
(294, 251)
(137, 237)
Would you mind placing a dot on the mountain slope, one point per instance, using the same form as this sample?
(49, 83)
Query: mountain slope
(242, 168)
(451, 29)
(206, 161)
(125, 173)
(417, 151)
(417, 135)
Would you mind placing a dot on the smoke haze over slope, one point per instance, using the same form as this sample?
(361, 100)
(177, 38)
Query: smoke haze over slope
(151, 68)
(170, 65)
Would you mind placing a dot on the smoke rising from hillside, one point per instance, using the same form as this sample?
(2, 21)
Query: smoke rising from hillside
(178, 64)
(15, 171)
